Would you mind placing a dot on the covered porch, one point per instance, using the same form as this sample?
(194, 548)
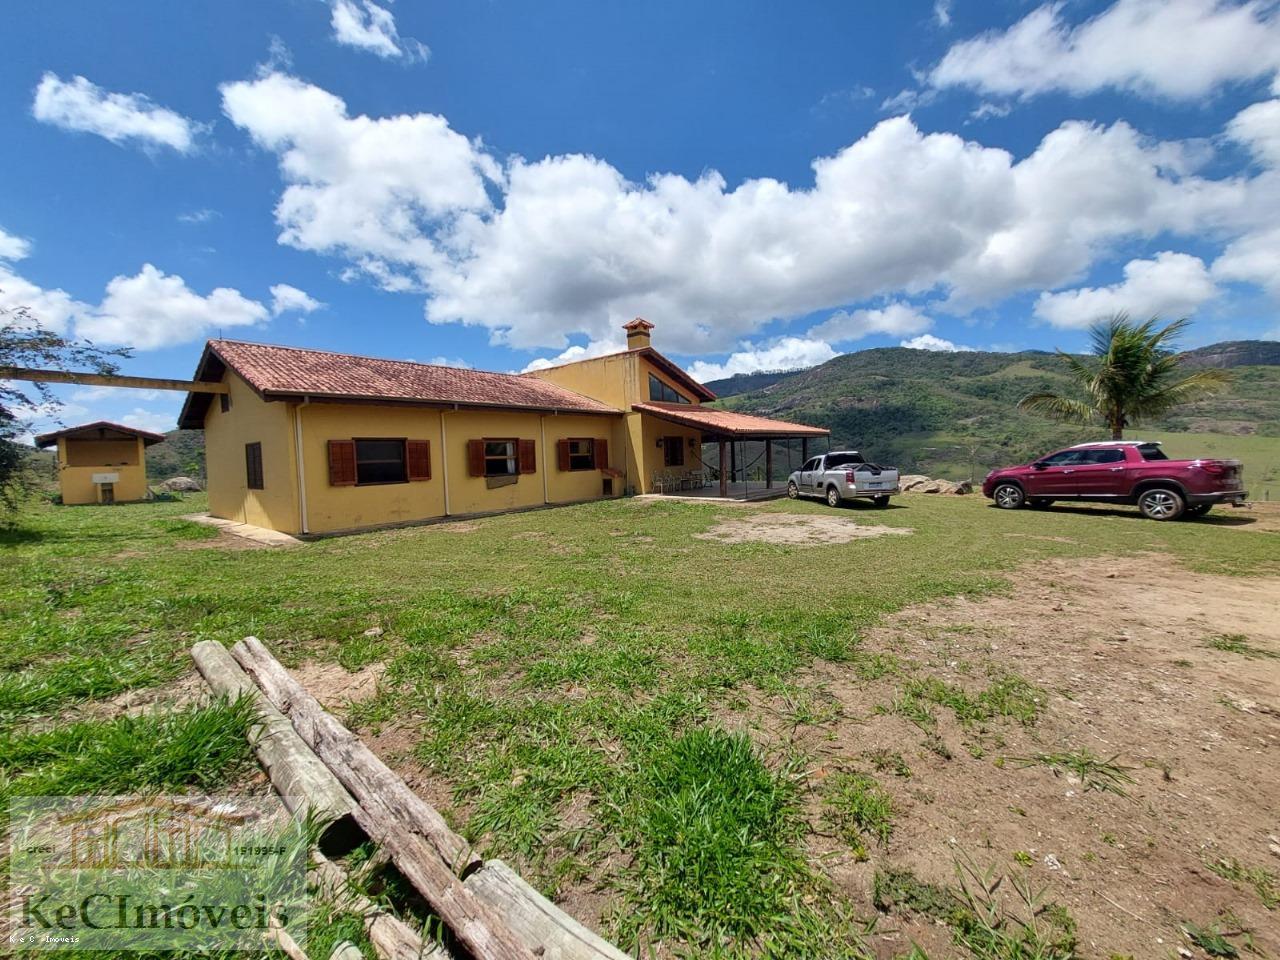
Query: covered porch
(739, 456)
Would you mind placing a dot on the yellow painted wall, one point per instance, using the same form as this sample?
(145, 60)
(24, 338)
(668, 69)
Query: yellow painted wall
(251, 420)
(651, 430)
(331, 508)
(77, 465)
(620, 381)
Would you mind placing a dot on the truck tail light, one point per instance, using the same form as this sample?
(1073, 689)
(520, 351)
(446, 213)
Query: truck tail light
(848, 476)
(1213, 467)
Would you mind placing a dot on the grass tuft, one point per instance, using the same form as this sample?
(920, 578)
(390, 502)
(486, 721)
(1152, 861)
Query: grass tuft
(204, 747)
(1094, 772)
(1238, 643)
(1264, 883)
(858, 808)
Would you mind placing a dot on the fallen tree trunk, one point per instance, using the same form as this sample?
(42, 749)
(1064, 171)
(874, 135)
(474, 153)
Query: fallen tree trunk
(535, 919)
(392, 938)
(304, 783)
(421, 844)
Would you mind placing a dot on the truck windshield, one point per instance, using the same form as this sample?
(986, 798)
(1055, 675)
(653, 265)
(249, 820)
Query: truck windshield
(1150, 451)
(842, 459)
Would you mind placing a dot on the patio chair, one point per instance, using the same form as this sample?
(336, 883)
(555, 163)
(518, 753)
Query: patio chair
(659, 482)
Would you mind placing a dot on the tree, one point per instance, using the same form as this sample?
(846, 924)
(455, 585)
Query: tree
(24, 343)
(1132, 373)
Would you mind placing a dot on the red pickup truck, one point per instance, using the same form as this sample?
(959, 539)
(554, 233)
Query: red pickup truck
(1120, 471)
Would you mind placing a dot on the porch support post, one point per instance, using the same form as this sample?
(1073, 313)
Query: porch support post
(724, 477)
(733, 461)
(804, 449)
(768, 463)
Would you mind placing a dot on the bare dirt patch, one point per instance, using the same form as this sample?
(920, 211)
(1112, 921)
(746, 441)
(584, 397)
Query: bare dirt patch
(1120, 648)
(795, 530)
(335, 686)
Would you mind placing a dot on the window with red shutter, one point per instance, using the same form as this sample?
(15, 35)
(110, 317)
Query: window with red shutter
(475, 458)
(600, 456)
(418, 459)
(563, 461)
(342, 463)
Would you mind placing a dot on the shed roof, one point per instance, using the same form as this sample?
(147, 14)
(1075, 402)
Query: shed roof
(284, 373)
(727, 423)
(99, 430)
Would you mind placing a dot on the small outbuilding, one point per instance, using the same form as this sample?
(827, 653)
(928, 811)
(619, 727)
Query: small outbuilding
(101, 462)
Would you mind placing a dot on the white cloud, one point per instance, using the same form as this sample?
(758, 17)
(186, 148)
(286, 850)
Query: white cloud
(1177, 49)
(151, 420)
(1171, 285)
(896, 319)
(289, 299)
(152, 310)
(785, 353)
(927, 341)
(94, 394)
(987, 109)
(1254, 258)
(596, 348)
(364, 187)
(545, 252)
(198, 216)
(79, 105)
(365, 25)
(942, 12)
(1258, 128)
(455, 362)
(52, 309)
(13, 248)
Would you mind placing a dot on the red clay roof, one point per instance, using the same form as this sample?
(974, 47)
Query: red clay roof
(148, 438)
(728, 423)
(278, 372)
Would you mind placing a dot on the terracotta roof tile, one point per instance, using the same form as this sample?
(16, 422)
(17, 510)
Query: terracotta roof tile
(293, 371)
(727, 422)
(47, 439)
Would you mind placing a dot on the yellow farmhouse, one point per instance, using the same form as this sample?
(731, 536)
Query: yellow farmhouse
(101, 462)
(311, 442)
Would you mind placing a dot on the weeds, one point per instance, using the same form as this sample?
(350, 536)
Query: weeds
(1093, 772)
(857, 807)
(1238, 643)
(1264, 883)
(199, 746)
(1215, 938)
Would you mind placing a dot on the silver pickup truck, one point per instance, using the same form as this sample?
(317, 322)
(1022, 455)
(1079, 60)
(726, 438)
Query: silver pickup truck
(843, 475)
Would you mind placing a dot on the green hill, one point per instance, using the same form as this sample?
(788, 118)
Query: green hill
(181, 455)
(953, 414)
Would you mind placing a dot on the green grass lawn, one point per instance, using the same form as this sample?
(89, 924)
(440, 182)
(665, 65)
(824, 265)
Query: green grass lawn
(560, 673)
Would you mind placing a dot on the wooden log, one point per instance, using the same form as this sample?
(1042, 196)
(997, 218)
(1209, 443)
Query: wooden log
(304, 783)
(535, 919)
(110, 380)
(390, 813)
(346, 950)
(392, 938)
(346, 755)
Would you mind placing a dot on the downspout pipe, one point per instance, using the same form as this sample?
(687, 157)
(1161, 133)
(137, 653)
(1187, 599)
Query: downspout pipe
(302, 468)
(546, 463)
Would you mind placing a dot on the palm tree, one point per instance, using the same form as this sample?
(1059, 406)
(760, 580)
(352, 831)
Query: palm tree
(1132, 373)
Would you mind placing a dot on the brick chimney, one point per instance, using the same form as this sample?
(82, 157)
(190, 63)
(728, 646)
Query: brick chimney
(637, 333)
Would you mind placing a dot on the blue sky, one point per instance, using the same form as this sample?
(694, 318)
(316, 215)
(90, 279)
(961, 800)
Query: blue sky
(504, 184)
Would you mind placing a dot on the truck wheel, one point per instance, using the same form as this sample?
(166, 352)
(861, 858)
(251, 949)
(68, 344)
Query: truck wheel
(793, 491)
(1009, 496)
(1197, 510)
(1161, 503)
(833, 497)
(881, 502)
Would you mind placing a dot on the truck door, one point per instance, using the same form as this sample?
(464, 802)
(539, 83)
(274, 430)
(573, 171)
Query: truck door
(1102, 473)
(808, 474)
(1055, 475)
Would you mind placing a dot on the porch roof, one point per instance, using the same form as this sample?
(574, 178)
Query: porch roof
(727, 423)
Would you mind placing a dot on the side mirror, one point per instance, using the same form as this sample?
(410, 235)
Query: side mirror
(1039, 465)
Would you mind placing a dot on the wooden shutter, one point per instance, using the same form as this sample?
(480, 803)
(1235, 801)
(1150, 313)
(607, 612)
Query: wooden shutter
(562, 455)
(600, 454)
(342, 463)
(528, 456)
(475, 458)
(417, 454)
